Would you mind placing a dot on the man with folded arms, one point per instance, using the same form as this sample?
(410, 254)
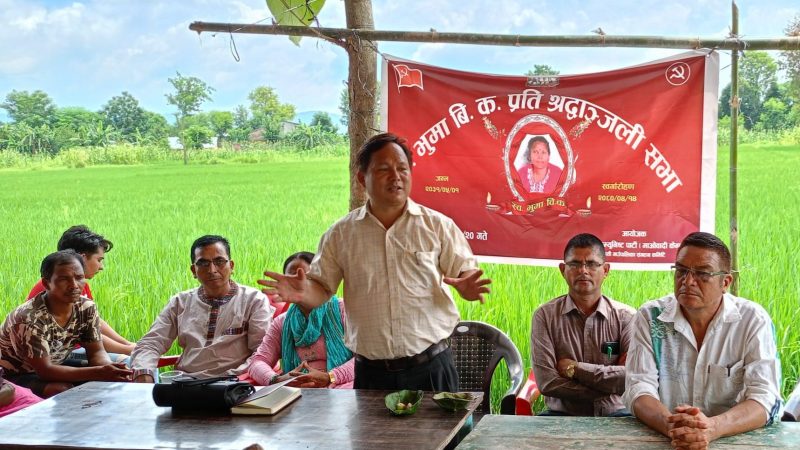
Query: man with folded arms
(703, 363)
(579, 340)
(37, 337)
(218, 324)
(396, 258)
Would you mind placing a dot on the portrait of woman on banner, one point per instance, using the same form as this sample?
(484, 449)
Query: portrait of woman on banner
(538, 164)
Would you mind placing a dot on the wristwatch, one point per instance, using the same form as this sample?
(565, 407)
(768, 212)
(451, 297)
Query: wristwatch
(570, 370)
(332, 378)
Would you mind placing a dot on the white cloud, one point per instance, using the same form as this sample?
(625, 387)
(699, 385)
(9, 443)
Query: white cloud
(85, 52)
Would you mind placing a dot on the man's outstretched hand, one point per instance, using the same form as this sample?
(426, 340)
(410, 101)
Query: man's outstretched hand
(470, 285)
(284, 288)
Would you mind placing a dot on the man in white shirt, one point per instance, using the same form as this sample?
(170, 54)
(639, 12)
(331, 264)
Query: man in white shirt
(703, 363)
(396, 258)
(219, 325)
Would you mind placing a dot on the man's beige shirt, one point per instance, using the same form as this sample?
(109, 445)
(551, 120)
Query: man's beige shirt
(397, 302)
(241, 325)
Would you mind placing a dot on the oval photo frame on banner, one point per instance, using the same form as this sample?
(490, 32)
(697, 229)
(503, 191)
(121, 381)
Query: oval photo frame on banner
(556, 128)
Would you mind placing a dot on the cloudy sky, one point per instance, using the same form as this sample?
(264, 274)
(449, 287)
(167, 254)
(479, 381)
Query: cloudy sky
(82, 53)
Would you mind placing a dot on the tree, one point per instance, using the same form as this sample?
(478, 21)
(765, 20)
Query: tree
(757, 82)
(344, 107)
(97, 134)
(241, 125)
(220, 122)
(241, 117)
(541, 69)
(156, 129)
(774, 115)
(126, 116)
(194, 136)
(24, 138)
(791, 59)
(267, 110)
(75, 117)
(190, 93)
(33, 109)
(323, 121)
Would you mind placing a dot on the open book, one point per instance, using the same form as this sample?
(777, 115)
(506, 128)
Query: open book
(270, 403)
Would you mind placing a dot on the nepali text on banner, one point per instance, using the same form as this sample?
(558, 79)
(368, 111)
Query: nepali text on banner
(524, 163)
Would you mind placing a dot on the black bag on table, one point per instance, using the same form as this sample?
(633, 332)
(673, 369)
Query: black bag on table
(189, 393)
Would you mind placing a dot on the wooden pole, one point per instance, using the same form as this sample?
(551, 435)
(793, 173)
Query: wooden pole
(734, 150)
(600, 40)
(362, 80)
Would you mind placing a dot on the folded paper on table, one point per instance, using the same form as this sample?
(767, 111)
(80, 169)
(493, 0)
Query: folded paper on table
(274, 401)
(265, 390)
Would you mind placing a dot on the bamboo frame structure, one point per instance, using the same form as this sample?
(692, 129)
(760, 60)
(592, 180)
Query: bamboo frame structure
(340, 37)
(600, 40)
(734, 155)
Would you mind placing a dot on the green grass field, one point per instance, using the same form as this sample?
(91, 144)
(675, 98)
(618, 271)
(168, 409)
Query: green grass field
(270, 209)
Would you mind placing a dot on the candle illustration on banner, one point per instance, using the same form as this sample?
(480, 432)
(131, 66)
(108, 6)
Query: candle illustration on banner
(588, 211)
(489, 204)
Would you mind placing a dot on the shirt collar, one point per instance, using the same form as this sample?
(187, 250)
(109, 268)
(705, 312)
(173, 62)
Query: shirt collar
(411, 207)
(201, 293)
(569, 306)
(729, 312)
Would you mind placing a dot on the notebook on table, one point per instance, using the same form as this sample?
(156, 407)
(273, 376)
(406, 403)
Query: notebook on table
(267, 400)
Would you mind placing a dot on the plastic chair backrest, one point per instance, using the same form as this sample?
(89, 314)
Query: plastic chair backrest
(477, 349)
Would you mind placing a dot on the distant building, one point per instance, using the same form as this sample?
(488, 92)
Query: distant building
(261, 135)
(288, 127)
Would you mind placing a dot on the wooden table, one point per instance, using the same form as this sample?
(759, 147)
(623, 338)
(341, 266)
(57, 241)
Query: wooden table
(529, 432)
(123, 416)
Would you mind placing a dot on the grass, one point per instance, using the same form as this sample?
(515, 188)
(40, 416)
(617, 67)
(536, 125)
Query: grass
(269, 208)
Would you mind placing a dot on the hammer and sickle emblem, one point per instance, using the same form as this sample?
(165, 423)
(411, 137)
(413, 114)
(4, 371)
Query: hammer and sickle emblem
(678, 73)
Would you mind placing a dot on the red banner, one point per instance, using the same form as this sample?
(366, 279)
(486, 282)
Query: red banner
(524, 163)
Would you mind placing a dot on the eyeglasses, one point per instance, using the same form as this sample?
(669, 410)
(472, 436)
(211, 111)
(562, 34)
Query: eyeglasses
(205, 264)
(701, 275)
(590, 265)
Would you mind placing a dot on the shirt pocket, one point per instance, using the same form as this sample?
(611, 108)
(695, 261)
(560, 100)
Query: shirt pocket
(725, 383)
(423, 272)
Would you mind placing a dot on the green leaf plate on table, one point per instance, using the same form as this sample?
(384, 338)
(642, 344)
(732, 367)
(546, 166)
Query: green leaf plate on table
(453, 401)
(404, 403)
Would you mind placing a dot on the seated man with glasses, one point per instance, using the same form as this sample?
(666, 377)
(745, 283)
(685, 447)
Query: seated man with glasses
(579, 340)
(703, 363)
(219, 325)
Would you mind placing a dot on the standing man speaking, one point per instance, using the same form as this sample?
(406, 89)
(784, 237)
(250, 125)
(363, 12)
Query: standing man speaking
(395, 258)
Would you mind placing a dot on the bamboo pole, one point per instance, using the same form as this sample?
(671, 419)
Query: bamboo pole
(600, 40)
(734, 150)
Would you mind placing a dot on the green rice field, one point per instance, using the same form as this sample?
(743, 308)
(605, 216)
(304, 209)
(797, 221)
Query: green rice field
(268, 210)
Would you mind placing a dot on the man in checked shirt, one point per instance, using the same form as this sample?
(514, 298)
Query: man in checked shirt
(579, 340)
(218, 324)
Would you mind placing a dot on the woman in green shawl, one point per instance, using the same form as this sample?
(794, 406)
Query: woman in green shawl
(310, 341)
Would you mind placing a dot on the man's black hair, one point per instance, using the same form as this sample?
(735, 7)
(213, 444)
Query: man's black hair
(585, 240)
(707, 240)
(209, 239)
(305, 256)
(83, 240)
(59, 258)
(376, 143)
